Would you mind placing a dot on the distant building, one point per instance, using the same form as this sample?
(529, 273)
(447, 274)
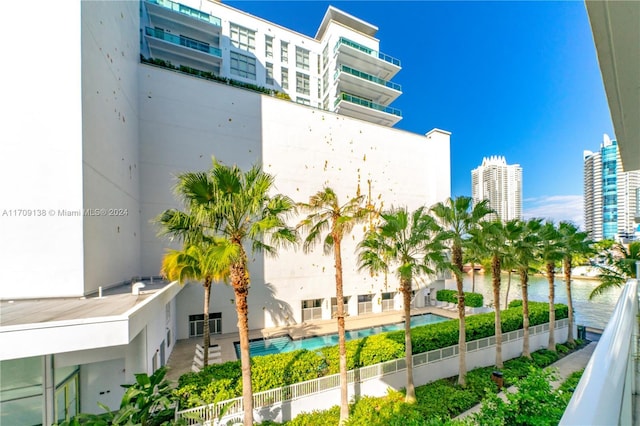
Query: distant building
(501, 184)
(610, 195)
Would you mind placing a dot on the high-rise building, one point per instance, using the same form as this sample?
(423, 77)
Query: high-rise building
(341, 69)
(140, 92)
(610, 194)
(501, 184)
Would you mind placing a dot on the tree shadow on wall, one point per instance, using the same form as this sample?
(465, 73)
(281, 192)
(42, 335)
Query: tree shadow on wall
(280, 311)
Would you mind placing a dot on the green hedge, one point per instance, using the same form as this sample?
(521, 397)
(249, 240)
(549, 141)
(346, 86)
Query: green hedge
(223, 381)
(474, 300)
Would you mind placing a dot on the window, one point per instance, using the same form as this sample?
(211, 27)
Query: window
(325, 56)
(334, 305)
(194, 44)
(243, 66)
(243, 38)
(365, 303)
(269, 73)
(268, 46)
(303, 101)
(196, 324)
(311, 309)
(284, 51)
(387, 301)
(302, 83)
(325, 81)
(302, 58)
(66, 396)
(285, 78)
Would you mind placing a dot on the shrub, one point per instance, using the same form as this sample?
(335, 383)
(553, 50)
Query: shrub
(474, 300)
(535, 403)
(272, 371)
(515, 303)
(544, 357)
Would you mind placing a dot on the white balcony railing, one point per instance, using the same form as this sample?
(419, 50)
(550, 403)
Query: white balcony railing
(606, 390)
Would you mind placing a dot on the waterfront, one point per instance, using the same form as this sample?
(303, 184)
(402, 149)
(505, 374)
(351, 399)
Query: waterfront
(594, 313)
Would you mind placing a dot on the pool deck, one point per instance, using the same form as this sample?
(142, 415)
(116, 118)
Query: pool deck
(181, 357)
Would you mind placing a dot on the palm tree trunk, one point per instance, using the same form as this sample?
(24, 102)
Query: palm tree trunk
(506, 297)
(462, 335)
(552, 306)
(495, 269)
(408, 348)
(567, 280)
(240, 283)
(342, 345)
(473, 277)
(205, 327)
(524, 282)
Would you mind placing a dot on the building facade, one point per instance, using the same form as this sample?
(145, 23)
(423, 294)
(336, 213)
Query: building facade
(501, 184)
(610, 194)
(143, 107)
(340, 69)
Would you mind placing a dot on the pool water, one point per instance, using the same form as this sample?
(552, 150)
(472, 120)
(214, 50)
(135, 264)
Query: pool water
(277, 345)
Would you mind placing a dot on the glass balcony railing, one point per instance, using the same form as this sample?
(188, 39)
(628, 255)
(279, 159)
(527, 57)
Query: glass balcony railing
(369, 77)
(189, 11)
(184, 41)
(365, 103)
(367, 50)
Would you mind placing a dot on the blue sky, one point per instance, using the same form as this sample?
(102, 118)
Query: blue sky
(518, 79)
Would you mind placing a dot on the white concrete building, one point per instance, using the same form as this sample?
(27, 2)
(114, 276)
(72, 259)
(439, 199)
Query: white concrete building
(501, 184)
(96, 157)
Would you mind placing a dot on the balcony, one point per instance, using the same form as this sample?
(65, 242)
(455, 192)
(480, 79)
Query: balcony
(363, 109)
(183, 50)
(357, 82)
(366, 59)
(607, 393)
(169, 14)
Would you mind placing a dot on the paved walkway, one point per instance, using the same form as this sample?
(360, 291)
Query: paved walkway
(565, 367)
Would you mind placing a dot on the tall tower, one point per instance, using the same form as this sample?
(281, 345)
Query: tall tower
(501, 184)
(610, 194)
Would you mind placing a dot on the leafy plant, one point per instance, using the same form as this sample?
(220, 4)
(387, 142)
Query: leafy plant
(148, 402)
(474, 300)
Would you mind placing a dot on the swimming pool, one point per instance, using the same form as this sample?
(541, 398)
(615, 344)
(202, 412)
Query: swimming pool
(277, 345)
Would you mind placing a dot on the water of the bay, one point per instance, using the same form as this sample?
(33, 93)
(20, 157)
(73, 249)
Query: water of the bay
(592, 313)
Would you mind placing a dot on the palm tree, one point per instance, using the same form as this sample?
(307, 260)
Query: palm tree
(194, 261)
(197, 262)
(457, 217)
(573, 243)
(619, 266)
(490, 236)
(236, 209)
(522, 238)
(326, 214)
(474, 256)
(410, 244)
(550, 254)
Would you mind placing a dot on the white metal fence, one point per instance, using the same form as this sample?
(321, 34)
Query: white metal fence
(209, 414)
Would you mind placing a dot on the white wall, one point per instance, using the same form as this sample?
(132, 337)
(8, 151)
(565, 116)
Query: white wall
(307, 149)
(100, 382)
(110, 57)
(41, 154)
(185, 120)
